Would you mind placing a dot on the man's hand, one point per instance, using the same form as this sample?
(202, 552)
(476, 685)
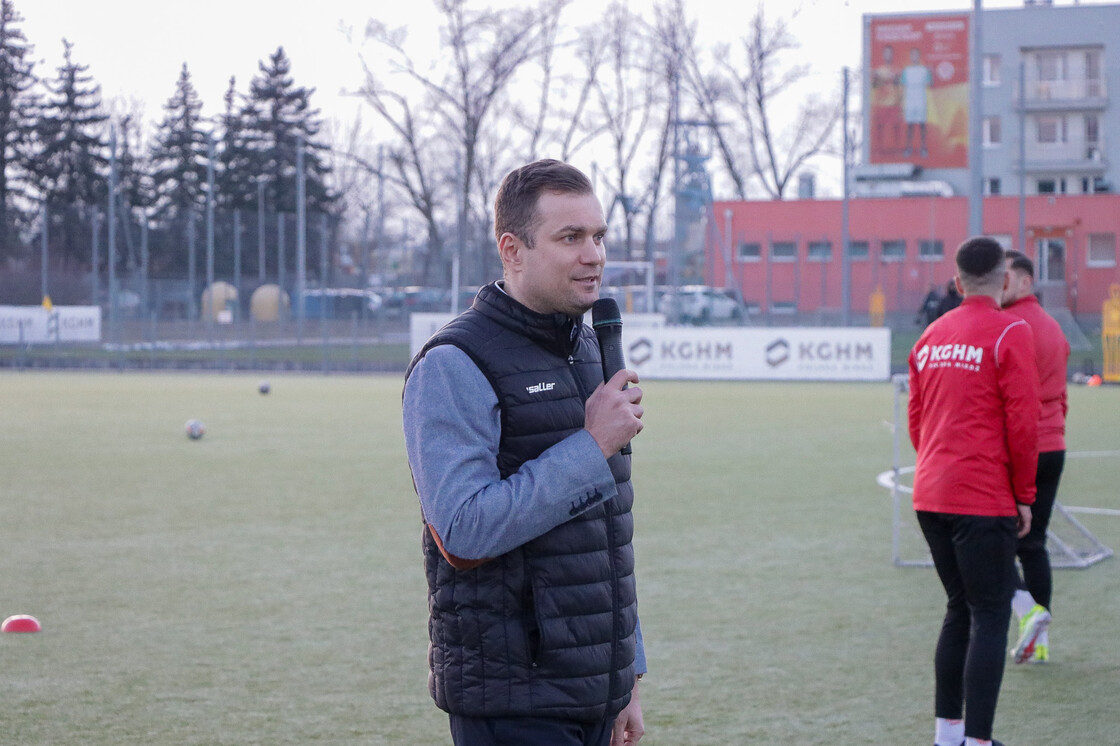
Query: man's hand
(1024, 519)
(629, 726)
(613, 414)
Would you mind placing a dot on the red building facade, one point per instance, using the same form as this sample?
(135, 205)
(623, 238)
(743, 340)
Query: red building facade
(785, 256)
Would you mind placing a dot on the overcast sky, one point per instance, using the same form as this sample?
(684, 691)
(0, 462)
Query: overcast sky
(135, 48)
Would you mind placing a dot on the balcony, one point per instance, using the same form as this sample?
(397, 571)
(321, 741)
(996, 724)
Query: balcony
(1083, 94)
(1067, 158)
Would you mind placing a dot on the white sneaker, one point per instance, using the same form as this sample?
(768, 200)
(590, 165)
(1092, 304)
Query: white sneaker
(1030, 627)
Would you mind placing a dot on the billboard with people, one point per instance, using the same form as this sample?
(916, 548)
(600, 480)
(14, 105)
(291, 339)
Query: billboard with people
(918, 90)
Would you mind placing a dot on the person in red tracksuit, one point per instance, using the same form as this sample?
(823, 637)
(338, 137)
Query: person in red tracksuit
(1031, 602)
(973, 418)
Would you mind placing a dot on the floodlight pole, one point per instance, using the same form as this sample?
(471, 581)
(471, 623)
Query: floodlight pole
(1022, 245)
(210, 228)
(43, 245)
(301, 235)
(975, 147)
(111, 249)
(845, 237)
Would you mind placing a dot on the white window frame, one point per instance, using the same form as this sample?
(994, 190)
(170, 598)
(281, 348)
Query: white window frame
(884, 257)
(993, 65)
(783, 257)
(1061, 129)
(988, 140)
(744, 257)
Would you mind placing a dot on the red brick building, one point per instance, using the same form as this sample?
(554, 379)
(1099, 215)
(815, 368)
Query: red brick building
(785, 256)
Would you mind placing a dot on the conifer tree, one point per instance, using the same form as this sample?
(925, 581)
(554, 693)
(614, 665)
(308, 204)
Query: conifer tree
(277, 114)
(17, 76)
(179, 154)
(71, 163)
(236, 176)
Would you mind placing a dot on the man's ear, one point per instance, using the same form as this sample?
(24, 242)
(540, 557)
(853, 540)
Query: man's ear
(510, 249)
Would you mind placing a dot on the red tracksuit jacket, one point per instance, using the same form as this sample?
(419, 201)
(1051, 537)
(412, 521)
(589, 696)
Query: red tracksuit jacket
(1051, 354)
(973, 412)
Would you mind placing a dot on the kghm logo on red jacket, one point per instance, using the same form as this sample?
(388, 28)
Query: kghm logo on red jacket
(966, 357)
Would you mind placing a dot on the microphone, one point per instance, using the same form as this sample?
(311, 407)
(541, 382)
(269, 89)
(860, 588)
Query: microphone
(607, 323)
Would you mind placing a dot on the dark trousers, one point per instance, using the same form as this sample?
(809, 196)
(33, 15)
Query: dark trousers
(468, 731)
(975, 560)
(1032, 548)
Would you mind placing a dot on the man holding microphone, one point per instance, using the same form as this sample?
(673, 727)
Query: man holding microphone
(515, 445)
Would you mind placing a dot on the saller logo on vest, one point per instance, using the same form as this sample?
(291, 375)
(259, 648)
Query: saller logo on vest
(540, 388)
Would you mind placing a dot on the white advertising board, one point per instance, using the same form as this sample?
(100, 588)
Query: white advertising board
(37, 325)
(423, 325)
(654, 350)
(773, 353)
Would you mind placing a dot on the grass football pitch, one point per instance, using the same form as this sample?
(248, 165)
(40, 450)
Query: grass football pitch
(263, 585)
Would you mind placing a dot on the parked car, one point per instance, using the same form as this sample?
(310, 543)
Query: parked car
(412, 299)
(701, 304)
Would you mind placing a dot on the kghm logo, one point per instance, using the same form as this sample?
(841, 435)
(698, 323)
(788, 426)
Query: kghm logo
(963, 356)
(777, 352)
(540, 388)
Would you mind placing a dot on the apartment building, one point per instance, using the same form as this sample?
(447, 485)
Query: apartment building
(1050, 82)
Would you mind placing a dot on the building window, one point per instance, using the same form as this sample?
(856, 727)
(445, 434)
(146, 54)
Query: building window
(1093, 87)
(993, 187)
(1102, 250)
(931, 251)
(1093, 130)
(893, 251)
(1052, 186)
(992, 133)
(992, 72)
(750, 252)
(1052, 129)
(820, 251)
(858, 250)
(1051, 66)
(783, 251)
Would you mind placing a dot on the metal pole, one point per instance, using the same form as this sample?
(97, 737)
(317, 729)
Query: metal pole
(237, 254)
(210, 228)
(1022, 245)
(260, 231)
(301, 232)
(845, 233)
(43, 246)
(192, 265)
(975, 146)
(456, 262)
(96, 258)
(111, 217)
(145, 290)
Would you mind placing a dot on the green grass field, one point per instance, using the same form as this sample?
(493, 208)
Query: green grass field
(263, 585)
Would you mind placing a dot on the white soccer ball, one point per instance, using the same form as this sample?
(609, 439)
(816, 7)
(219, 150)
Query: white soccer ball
(264, 387)
(195, 429)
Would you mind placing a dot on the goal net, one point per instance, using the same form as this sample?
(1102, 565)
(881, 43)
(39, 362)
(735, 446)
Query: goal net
(1071, 545)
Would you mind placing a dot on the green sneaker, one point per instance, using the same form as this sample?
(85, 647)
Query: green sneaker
(1030, 627)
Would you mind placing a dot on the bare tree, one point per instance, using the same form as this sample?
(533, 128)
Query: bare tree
(440, 115)
(759, 89)
(628, 94)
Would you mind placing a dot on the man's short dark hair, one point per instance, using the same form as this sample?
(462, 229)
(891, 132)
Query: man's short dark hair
(1020, 261)
(515, 207)
(979, 258)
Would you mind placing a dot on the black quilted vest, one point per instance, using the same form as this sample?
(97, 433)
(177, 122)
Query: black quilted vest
(545, 630)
